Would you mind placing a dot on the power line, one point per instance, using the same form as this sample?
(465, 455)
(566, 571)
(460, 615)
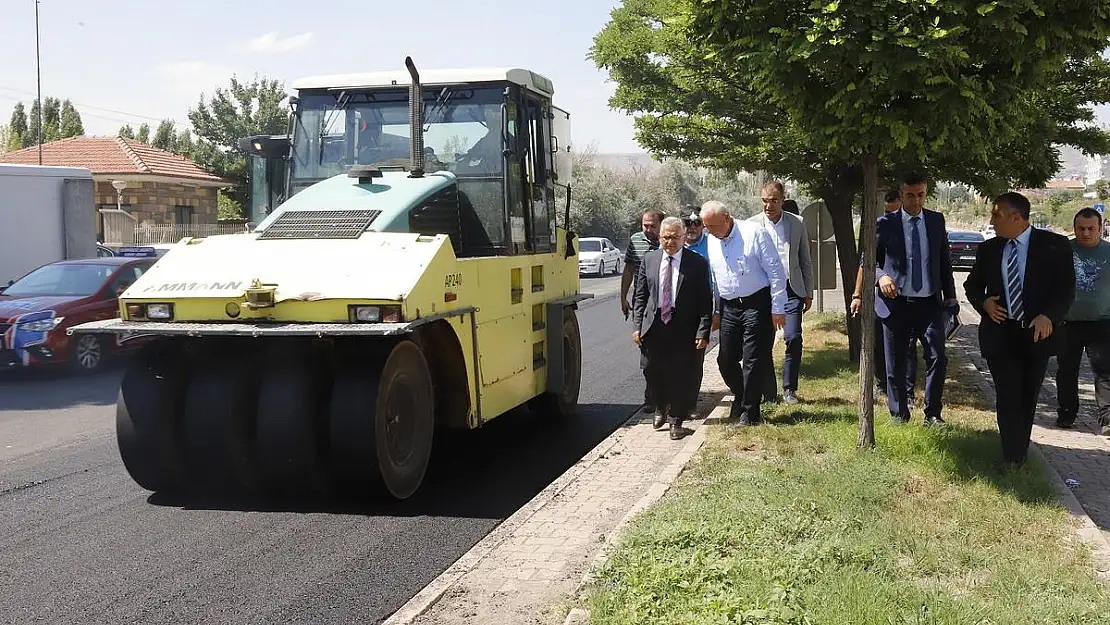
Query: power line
(84, 114)
(90, 106)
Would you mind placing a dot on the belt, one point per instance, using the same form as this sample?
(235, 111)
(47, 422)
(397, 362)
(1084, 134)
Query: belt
(926, 298)
(744, 299)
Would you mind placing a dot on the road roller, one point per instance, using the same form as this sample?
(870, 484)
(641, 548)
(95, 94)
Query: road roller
(420, 277)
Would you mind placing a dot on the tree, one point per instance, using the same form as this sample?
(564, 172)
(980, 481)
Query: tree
(879, 80)
(51, 119)
(5, 138)
(165, 137)
(240, 110)
(31, 137)
(184, 144)
(1102, 189)
(70, 124)
(143, 135)
(699, 107)
(126, 132)
(17, 127)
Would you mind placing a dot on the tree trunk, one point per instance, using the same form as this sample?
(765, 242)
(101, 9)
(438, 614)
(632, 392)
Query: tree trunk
(839, 204)
(865, 439)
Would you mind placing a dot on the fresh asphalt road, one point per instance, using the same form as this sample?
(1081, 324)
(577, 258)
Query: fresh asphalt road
(81, 543)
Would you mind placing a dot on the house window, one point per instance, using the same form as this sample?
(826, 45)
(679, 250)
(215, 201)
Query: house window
(183, 214)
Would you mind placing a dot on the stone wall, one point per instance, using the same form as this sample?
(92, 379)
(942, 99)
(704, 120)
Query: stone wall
(155, 203)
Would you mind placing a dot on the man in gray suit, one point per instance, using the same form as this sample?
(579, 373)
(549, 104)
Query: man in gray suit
(790, 238)
(672, 308)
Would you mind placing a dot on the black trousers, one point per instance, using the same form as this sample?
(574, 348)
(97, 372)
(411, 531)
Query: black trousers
(670, 352)
(697, 370)
(1018, 368)
(746, 338)
(1094, 337)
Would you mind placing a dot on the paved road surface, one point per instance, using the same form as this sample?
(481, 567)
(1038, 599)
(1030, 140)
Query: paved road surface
(79, 542)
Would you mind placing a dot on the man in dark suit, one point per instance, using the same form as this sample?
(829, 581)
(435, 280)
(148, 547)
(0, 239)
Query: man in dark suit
(672, 308)
(1022, 284)
(914, 291)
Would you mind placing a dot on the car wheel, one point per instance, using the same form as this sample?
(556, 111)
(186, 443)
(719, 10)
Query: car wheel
(89, 352)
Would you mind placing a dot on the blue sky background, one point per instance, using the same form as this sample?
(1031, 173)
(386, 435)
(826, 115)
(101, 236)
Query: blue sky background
(135, 61)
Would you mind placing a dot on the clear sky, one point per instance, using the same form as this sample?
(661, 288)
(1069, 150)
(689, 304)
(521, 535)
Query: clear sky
(135, 61)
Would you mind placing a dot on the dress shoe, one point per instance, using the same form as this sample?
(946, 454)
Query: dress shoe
(678, 432)
(934, 421)
(1065, 421)
(899, 419)
(789, 397)
(659, 421)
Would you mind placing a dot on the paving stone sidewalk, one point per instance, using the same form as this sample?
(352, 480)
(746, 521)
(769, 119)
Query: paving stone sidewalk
(535, 561)
(1080, 453)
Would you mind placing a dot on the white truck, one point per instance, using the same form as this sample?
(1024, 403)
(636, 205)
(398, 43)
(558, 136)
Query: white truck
(47, 214)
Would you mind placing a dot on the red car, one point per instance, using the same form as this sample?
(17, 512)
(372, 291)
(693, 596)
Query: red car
(36, 310)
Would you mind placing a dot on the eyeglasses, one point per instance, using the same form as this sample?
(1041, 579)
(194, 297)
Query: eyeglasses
(670, 237)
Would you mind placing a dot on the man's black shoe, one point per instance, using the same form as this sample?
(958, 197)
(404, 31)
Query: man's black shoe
(934, 421)
(899, 420)
(1065, 421)
(659, 421)
(678, 432)
(789, 397)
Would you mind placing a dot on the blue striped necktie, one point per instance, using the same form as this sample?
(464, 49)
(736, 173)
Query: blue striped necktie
(1015, 305)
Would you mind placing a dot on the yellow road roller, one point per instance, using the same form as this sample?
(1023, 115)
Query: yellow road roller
(421, 278)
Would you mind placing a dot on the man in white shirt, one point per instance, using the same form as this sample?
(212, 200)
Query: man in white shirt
(672, 308)
(749, 304)
(791, 240)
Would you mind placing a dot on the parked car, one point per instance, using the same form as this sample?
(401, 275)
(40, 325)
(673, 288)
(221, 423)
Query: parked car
(598, 256)
(36, 310)
(987, 231)
(962, 246)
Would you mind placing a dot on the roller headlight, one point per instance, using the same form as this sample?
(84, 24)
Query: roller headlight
(375, 314)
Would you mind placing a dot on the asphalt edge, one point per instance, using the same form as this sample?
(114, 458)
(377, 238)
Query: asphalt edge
(428, 596)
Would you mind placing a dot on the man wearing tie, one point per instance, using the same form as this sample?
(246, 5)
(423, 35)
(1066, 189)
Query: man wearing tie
(915, 287)
(1022, 284)
(749, 304)
(672, 308)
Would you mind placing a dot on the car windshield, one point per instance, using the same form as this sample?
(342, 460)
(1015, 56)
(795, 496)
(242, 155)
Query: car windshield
(65, 280)
(965, 237)
(589, 246)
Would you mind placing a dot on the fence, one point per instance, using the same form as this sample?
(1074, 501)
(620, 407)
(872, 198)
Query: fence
(120, 229)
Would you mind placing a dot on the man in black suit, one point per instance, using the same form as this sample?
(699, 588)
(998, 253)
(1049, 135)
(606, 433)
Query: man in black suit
(914, 291)
(672, 308)
(1022, 284)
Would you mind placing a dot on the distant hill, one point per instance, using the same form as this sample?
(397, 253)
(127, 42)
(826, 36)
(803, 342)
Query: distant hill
(628, 161)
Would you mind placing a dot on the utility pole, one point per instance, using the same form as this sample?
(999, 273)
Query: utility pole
(38, 79)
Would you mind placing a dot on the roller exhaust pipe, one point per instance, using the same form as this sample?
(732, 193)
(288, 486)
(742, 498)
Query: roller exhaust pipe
(416, 121)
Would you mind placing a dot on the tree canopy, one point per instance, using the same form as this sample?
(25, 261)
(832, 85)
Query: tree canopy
(60, 120)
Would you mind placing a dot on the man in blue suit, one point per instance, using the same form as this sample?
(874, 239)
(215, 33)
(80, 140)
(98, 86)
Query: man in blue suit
(914, 291)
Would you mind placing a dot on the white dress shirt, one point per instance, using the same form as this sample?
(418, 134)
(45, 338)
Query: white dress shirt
(777, 230)
(674, 275)
(746, 261)
(907, 231)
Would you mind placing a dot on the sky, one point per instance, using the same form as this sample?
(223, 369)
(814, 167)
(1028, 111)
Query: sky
(135, 61)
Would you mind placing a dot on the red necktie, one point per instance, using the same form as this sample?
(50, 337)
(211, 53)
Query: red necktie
(666, 305)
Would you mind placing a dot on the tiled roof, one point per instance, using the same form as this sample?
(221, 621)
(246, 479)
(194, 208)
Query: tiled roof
(111, 155)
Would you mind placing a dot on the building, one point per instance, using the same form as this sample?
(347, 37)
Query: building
(159, 188)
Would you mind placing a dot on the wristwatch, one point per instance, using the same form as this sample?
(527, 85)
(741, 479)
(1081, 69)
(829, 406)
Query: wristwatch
(857, 297)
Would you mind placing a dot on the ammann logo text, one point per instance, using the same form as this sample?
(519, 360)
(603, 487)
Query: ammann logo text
(195, 286)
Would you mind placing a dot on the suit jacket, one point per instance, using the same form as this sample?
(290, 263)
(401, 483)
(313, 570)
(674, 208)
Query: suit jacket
(1048, 289)
(893, 260)
(799, 265)
(693, 306)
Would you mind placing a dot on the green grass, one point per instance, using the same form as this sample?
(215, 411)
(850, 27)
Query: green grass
(788, 523)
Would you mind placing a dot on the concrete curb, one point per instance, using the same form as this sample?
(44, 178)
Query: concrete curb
(438, 587)
(580, 616)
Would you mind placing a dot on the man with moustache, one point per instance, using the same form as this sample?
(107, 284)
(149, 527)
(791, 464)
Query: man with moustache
(672, 312)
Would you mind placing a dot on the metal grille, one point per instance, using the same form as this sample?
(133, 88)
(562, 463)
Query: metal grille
(348, 224)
